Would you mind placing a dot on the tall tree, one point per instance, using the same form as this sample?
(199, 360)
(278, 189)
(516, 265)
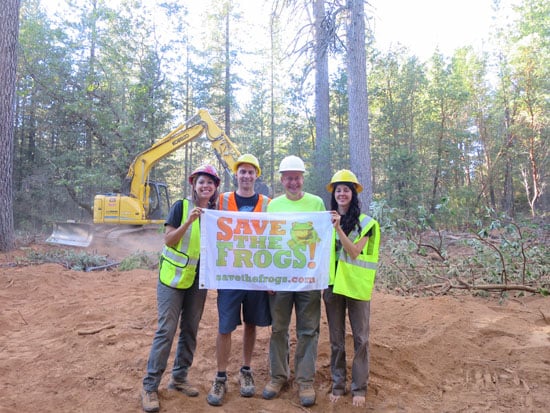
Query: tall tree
(9, 32)
(359, 134)
(324, 26)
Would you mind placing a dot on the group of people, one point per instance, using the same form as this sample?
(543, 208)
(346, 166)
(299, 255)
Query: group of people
(180, 301)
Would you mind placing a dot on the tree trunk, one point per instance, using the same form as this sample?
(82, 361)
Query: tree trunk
(359, 135)
(322, 121)
(228, 182)
(9, 32)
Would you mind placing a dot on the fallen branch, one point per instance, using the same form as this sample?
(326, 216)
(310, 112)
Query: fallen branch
(500, 287)
(97, 330)
(463, 285)
(435, 249)
(101, 267)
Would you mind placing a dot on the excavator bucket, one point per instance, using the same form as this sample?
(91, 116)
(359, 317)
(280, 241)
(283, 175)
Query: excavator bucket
(71, 233)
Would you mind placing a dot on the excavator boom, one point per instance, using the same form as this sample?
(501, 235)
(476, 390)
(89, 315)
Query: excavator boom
(142, 202)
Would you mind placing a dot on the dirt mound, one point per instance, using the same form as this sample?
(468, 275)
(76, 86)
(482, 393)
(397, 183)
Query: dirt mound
(76, 341)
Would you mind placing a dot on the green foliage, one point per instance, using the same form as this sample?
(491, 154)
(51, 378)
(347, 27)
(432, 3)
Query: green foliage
(71, 259)
(499, 252)
(139, 260)
(98, 85)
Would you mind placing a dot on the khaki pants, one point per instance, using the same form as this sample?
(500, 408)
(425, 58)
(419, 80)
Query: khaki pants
(359, 315)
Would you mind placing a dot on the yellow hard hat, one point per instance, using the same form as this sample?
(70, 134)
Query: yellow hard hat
(248, 158)
(344, 175)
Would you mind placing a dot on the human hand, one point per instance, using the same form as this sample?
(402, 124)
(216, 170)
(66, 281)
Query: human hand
(195, 213)
(335, 219)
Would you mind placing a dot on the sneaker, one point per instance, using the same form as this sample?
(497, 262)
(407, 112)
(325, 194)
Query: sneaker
(272, 390)
(247, 383)
(183, 386)
(217, 392)
(150, 401)
(307, 395)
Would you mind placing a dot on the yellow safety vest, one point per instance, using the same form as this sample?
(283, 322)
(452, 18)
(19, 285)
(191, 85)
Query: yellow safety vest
(354, 278)
(178, 265)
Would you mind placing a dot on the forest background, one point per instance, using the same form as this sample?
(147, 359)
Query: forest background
(458, 143)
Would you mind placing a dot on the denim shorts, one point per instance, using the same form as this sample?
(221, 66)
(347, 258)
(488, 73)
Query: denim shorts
(254, 304)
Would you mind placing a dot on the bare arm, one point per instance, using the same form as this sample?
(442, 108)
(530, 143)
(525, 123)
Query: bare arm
(353, 249)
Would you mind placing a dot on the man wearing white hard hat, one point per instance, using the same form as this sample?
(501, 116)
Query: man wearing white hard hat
(254, 305)
(307, 304)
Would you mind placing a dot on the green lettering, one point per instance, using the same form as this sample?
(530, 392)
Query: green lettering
(257, 242)
(300, 257)
(275, 242)
(282, 259)
(223, 247)
(242, 258)
(241, 239)
(262, 258)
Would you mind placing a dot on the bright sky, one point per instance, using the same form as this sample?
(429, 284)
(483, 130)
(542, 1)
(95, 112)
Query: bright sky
(423, 25)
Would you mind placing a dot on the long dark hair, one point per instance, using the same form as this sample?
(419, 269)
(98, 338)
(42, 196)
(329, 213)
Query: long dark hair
(350, 219)
(213, 201)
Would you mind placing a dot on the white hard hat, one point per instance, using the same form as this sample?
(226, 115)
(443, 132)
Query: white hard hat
(292, 163)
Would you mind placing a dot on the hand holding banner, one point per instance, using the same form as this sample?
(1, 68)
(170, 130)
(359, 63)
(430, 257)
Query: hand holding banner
(265, 251)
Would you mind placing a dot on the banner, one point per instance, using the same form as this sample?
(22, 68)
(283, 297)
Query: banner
(265, 251)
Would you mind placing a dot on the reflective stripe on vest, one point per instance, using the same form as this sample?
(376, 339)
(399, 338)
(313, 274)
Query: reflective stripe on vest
(355, 277)
(228, 202)
(178, 264)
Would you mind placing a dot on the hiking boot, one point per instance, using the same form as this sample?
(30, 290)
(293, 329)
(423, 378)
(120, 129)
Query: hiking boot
(183, 386)
(307, 395)
(150, 401)
(247, 383)
(272, 390)
(217, 392)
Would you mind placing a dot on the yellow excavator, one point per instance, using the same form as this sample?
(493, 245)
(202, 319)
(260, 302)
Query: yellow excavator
(143, 202)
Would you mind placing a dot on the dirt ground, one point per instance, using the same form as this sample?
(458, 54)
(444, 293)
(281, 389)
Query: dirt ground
(78, 342)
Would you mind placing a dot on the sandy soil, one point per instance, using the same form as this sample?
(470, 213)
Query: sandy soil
(78, 342)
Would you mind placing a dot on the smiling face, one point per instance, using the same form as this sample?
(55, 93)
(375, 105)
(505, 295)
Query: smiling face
(246, 177)
(205, 187)
(293, 182)
(343, 195)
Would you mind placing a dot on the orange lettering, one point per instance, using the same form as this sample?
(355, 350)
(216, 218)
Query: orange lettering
(276, 228)
(225, 233)
(259, 226)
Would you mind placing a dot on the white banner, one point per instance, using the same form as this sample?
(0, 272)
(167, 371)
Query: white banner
(265, 251)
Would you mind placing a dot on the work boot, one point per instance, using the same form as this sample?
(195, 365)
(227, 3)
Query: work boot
(247, 383)
(183, 386)
(272, 390)
(307, 395)
(217, 392)
(150, 401)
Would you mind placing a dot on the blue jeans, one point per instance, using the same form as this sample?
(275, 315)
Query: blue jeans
(173, 305)
(308, 316)
(359, 317)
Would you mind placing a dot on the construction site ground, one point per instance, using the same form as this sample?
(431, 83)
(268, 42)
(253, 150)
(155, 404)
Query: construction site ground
(73, 341)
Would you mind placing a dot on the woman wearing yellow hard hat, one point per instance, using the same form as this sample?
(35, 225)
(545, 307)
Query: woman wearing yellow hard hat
(353, 269)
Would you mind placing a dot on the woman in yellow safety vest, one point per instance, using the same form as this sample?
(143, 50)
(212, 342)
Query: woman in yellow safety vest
(178, 297)
(353, 269)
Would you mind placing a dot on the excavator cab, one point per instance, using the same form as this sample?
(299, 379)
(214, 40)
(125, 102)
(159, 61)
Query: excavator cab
(159, 200)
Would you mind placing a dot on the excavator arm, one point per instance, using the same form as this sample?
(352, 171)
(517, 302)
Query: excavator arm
(135, 183)
(141, 200)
